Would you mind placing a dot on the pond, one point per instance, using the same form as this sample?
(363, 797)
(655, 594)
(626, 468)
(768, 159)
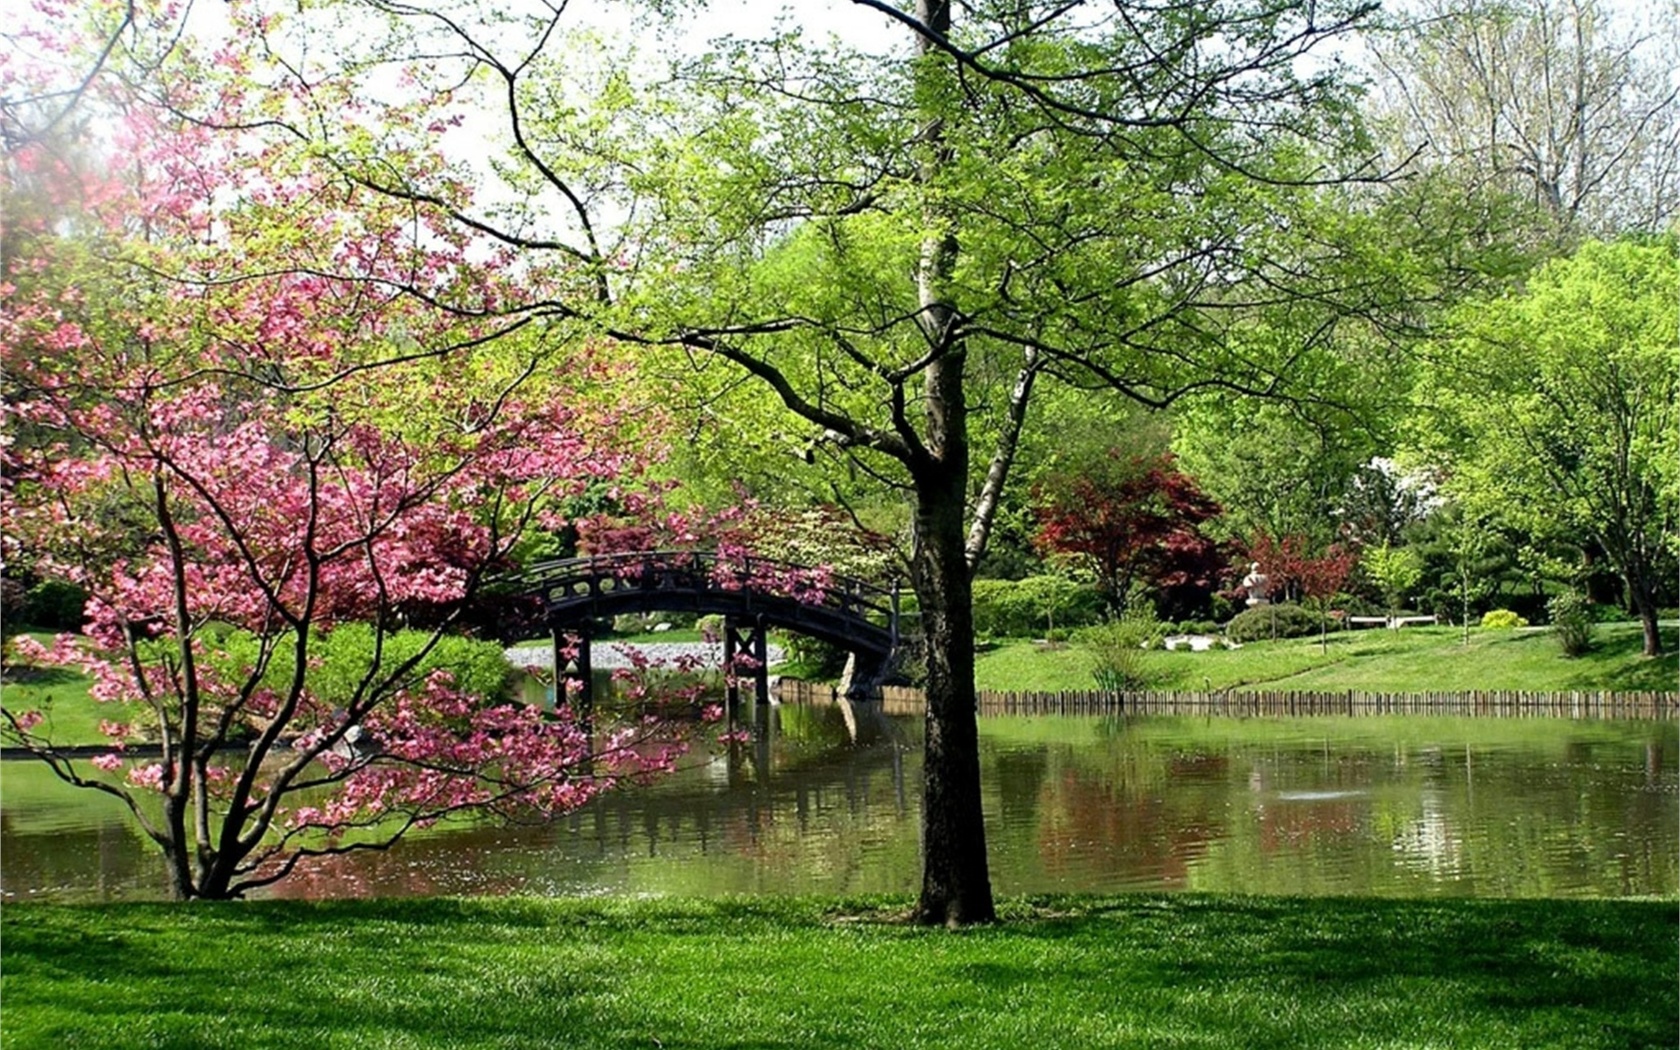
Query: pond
(825, 798)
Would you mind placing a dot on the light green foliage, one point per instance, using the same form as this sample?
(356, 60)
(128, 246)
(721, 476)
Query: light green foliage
(1395, 571)
(1502, 620)
(792, 223)
(343, 658)
(1033, 607)
(1572, 621)
(1271, 469)
(1117, 651)
(1555, 409)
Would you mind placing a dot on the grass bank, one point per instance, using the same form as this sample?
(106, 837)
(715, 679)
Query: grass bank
(1144, 971)
(1413, 659)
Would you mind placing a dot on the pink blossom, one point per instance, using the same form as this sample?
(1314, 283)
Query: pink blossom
(147, 776)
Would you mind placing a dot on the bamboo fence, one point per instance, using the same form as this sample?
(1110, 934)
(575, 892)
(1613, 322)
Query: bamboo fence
(1495, 703)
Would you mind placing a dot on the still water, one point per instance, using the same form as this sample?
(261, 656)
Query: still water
(826, 799)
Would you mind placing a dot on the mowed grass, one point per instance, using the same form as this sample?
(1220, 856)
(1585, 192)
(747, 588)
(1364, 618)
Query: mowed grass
(70, 715)
(1144, 971)
(1413, 659)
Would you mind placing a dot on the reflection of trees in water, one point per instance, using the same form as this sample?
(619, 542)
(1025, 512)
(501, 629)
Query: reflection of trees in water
(1090, 826)
(822, 800)
(760, 801)
(1167, 809)
(108, 861)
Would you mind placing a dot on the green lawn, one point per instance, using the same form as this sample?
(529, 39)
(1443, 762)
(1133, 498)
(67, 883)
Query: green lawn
(71, 716)
(1145, 971)
(1413, 659)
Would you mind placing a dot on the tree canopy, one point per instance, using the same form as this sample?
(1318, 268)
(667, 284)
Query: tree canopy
(876, 258)
(1553, 409)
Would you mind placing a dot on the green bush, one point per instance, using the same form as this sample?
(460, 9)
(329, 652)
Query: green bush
(53, 605)
(642, 623)
(1265, 622)
(809, 657)
(1607, 612)
(1030, 607)
(1119, 649)
(1571, 616)
(1502, 620)
(345, 654)
(1197, 627)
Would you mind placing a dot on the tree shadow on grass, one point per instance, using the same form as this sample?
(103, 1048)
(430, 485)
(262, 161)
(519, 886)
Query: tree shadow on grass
(39, 677)
(1180, 970)
(1575, 967)
(1615, 662)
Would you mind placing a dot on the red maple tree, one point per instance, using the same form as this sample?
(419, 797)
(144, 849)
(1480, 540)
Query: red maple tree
(1296, 573)
(1133, 520)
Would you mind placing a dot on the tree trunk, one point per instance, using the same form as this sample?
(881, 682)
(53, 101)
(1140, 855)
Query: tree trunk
(956, 887)
(1645, 604)
(1638, 572)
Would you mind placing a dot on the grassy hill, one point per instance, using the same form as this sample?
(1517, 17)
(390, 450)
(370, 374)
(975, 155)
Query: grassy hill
(1413, 659)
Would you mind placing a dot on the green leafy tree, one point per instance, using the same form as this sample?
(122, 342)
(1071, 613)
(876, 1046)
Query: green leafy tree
(889, 252)
(1395, 571)
(1556, 410)
(1276, 469)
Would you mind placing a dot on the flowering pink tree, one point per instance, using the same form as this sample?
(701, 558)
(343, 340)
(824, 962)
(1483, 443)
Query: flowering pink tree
(239, 401)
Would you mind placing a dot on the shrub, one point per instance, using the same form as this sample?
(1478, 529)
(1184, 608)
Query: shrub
(1265, 622)
(1028, 608)
(642, 623)
(53, 605)
(710, 625)
(1198, 627)
(1606, 612)
(1502, 620)
(1118, 651)
(811, 657)
(1571, 616)
(345, 654)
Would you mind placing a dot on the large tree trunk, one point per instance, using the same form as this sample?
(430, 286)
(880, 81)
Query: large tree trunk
(956, 887)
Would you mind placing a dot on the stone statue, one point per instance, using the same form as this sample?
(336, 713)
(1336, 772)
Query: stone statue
(1257, 584)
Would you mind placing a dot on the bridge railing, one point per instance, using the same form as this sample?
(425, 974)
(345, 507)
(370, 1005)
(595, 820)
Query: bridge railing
(808, 585)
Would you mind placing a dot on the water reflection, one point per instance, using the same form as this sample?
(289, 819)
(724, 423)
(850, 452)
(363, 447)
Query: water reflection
(825, 798)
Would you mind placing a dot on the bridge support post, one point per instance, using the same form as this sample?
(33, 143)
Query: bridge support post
(558, 638)
(752, 641)
(584, 709)
(583, 706)
(761, 653)
(731, 684)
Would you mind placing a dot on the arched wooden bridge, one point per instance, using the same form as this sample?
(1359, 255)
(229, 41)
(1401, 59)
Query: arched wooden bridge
(752, 594)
